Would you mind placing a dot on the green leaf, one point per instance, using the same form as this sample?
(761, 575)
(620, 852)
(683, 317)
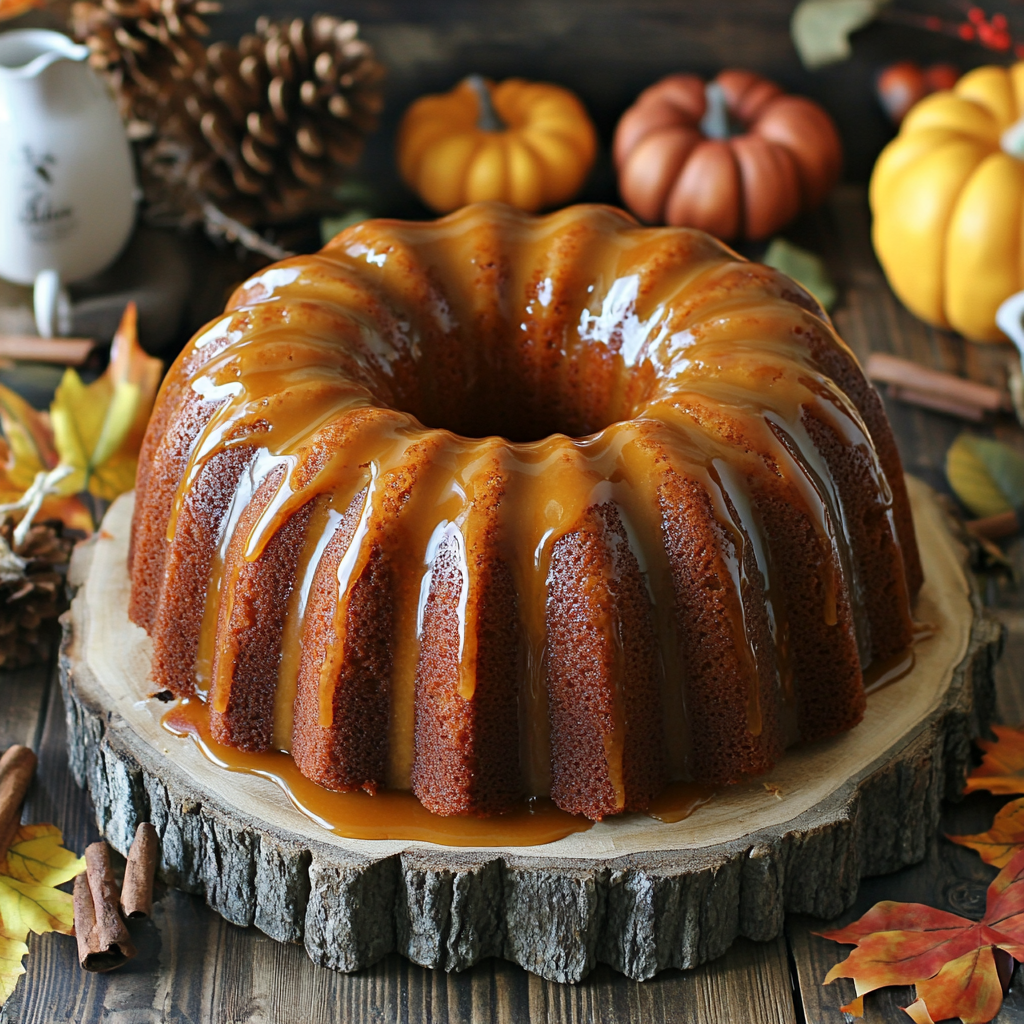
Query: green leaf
(331, 226)
(821, 28)
(987, 476)
(804, 267)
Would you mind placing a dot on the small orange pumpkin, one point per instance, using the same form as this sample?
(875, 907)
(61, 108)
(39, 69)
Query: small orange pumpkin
(530, 144)
(737, 157)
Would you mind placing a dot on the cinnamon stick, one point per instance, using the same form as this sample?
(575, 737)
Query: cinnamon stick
(945, 392)
(137, 890)
(66, 351)
(17, 767)
(107, 943)
(1003, 524)
(85, 921)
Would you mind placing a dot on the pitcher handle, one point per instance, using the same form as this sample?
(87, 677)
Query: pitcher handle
(51, 304)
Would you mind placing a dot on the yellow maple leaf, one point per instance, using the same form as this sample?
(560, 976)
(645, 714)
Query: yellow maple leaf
(12, 952)
(36, 855)
(36, 863)
(29, 439)
(26, 450)
(98, 428)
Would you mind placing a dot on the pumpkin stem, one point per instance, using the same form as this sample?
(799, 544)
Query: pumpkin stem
(715, 122)
(488, 119)
(1012, 140)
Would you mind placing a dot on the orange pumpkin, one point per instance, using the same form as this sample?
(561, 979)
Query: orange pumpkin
(737, 157)
(530, 144)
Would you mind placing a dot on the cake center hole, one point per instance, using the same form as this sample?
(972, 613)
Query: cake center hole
(524, 393)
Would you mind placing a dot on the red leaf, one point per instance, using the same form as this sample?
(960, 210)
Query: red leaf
(1002, 766)
(949, 958)
(967, 988)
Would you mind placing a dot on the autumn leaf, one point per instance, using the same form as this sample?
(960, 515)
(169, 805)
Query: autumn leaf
(821, 28)
(1006, 836)
(30, 437)
(1002, 765)
(949, 958)
(36, 855)
(986, 475)
(804, 267)
(98, 428)
(26, 451)
(13, 8)
(36, 863)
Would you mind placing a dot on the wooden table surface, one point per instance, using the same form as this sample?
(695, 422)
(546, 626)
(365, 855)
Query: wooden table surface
(192, 966)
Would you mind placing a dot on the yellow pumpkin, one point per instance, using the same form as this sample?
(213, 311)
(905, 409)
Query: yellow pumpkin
(947, 195)
(530, 144)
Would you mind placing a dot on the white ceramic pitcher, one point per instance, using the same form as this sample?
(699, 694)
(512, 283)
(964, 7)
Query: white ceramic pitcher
(67, 182)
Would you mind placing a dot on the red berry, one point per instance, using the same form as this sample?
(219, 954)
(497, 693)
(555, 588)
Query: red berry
(977, 15)
(966, 32)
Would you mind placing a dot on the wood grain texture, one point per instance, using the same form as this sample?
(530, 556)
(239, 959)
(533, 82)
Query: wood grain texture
(22, 702)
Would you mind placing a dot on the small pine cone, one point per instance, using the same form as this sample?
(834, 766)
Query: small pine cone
(31, 602)
(146, 49)
(286, 113)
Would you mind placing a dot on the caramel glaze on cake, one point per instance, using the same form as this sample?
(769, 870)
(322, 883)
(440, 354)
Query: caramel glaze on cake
(500, 506)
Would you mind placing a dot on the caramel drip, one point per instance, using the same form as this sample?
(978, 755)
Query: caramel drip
(248, 484)
(635, 486)
(323, 523)
(434, 497)
(635, 351)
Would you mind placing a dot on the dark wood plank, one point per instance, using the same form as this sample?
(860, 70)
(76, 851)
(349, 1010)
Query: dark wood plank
(22, 702)
(53, 976)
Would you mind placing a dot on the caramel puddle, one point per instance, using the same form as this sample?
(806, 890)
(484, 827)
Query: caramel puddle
(679, 800)
(390, 814)
(892, 670)
(397, 814)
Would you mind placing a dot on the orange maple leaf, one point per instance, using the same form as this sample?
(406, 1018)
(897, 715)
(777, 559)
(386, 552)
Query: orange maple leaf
(1002, 766)
(1006, 836)
(950, 959)
(13, 8)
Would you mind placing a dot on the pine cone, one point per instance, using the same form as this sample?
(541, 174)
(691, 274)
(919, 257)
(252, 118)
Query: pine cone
(263, 132)
(146, 49)
(32, 591)
(282, 116)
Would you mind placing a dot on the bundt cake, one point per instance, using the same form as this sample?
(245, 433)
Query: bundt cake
(501, 506)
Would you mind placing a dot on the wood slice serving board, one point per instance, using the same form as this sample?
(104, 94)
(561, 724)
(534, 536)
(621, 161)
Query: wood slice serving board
(632, 892)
